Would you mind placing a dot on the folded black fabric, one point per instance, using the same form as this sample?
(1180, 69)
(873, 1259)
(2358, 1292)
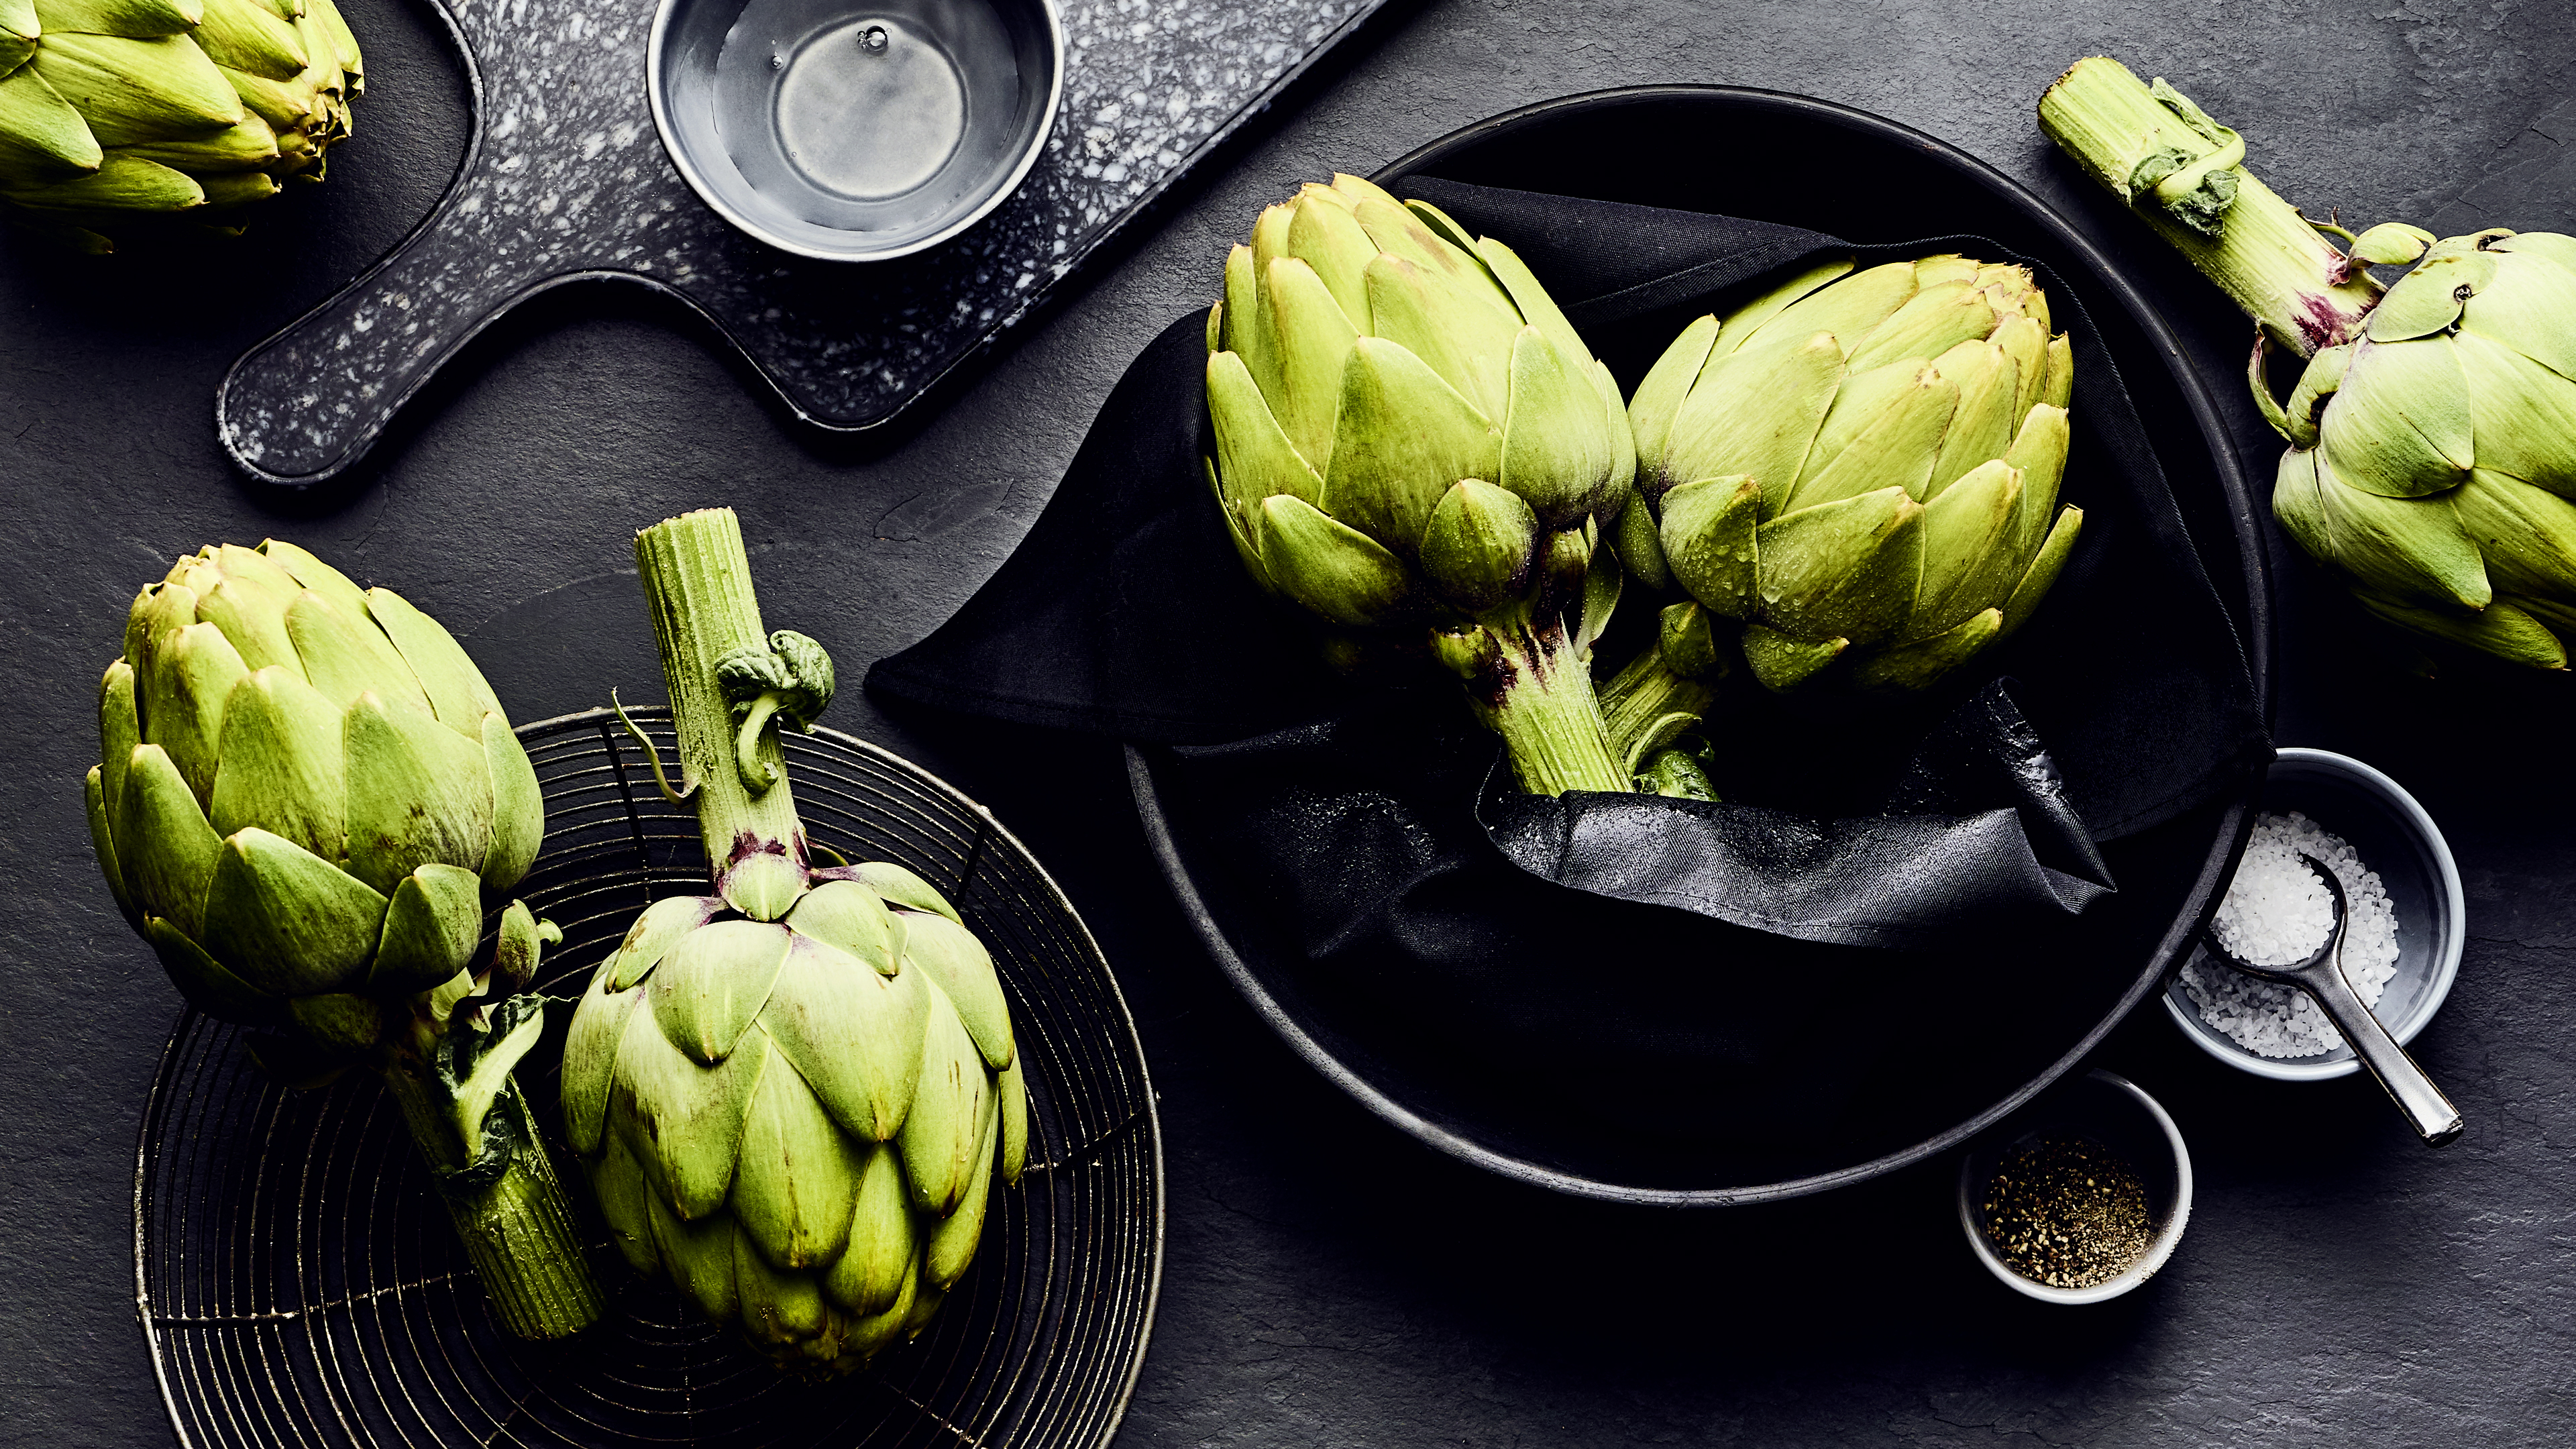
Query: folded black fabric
(1125, 612)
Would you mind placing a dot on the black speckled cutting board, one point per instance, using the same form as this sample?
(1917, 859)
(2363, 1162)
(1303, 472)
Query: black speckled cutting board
(565, 179)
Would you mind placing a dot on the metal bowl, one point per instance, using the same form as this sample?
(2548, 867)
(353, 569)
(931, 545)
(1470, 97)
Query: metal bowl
(2395, 838)
(2114, 1112)
(297, 1282)
(854, 130)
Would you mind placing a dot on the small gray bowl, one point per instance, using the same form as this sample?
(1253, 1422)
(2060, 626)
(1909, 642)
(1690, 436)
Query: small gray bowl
(2395, 838)
(2114, 1112)
(854, 130)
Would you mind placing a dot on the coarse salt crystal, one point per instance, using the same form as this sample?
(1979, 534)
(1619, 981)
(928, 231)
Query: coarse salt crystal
(2276, 913)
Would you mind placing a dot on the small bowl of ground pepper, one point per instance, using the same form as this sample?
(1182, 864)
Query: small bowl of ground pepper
(2080, 1198)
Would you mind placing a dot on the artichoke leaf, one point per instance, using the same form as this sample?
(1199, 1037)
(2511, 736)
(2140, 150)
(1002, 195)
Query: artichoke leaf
(2526, 536)
(102, 839)
(1782, 663)
(518, 806)
(431, 927)
(2428, 299)
(337, 1023)
(2299, 506)
(1330, 567)
(418, 792)
(456, 690)
(2500, 629)
(952, 1243)
(939, 1135)
(294, 922)
(2400, 425)
(799, 1174)
(590, 1061)
(1984, 423)
(190, 682)
(780, 1308)
(208, 984)
(853, 1034)
(698, 1255)
(905, 890)
(1557, 449)
(1329, 239)
(1659, 400)
(1828, 297)
(682, 1121)
(248, 603)
(345, 655)
(42, 136)
(1013, 1088)
(624, 1200)
(2524, 414)
(712, 985)
(1897, 449)
(875, 1333)
(849, 916)
(1403, 438)
(134, 19)
(1478, 547)
(138, 90)
(1536, 307)
(1465, 340)
(1921, 664)
(870, 1275)
(2411, 550)
(2044, 569)
(1931, 322)
(1847, 569)
(1970, 561)
(163, 842)
(119, 731)
(1640, 547)
(1708, 541)
(282, 767)
(245, 35)
(1308, 344)
(2038, 451)
(658, 927)
(1754, 412)
(315, 575)
(964, 971)
(1255, 458)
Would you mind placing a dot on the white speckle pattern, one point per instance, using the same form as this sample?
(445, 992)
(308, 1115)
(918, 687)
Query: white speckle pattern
(2276, 913)
(569, 179)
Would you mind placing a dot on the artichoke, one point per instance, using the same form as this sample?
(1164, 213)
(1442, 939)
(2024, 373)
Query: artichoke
(192, 108)
(2432, 436)
(1409, 435)
(1858, 468)
(792, 1095)
(305, 792)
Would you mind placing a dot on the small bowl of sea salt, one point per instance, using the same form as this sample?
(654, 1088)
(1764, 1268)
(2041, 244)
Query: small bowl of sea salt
(2401, 951)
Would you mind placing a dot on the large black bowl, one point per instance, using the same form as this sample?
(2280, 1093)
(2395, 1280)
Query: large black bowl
(1904, 1093)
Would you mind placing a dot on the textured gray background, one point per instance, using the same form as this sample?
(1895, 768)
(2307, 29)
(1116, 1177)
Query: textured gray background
(1328, 1283)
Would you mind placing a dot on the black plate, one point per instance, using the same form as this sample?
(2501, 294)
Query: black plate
(1812, 164)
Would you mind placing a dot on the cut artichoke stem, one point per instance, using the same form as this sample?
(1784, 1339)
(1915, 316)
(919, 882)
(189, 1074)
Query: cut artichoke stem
(511, 1214)
(697, 585)
(2159, 153)
(1530, 684)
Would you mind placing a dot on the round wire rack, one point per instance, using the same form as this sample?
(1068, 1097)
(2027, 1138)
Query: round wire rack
(299, 1284)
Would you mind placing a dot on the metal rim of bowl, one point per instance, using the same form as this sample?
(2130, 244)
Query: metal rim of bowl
(2253, 565)
(662, 14)
(2446, 969)
(2151, 1262)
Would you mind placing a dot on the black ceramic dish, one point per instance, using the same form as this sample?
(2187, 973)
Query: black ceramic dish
(1891, 1100)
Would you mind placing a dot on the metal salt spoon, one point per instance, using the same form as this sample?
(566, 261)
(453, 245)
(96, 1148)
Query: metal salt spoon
(2321, 976)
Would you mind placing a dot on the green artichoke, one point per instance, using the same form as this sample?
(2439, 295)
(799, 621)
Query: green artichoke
(112, 109)
(305, 790)
(1410, 435)
(791, 1096)
(1860, 468)
(2432, 435)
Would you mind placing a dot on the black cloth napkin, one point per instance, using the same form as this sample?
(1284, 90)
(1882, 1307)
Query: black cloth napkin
(1125, 612)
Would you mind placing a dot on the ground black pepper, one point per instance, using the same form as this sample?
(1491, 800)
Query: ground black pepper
(2067, 1212)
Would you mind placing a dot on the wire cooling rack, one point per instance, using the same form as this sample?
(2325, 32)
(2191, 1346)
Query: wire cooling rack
(299, 1284)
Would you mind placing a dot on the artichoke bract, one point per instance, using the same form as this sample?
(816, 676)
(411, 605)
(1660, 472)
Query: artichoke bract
(2432, 457)
(1410, 436)
(1857, 470)
(792, 1096)
(187, 108)
(306, 794)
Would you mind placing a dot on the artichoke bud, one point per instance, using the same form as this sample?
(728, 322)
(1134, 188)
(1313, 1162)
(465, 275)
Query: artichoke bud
(1478, 547)
(1675, 772)
(1470, 653)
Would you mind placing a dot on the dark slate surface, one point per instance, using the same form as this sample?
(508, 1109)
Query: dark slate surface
(1328, 1283)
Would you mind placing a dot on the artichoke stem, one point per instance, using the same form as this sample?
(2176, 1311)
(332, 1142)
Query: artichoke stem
(1534, 689)
(1645, 704)
(516, 1225)
(697, 585)
(2266, 256)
